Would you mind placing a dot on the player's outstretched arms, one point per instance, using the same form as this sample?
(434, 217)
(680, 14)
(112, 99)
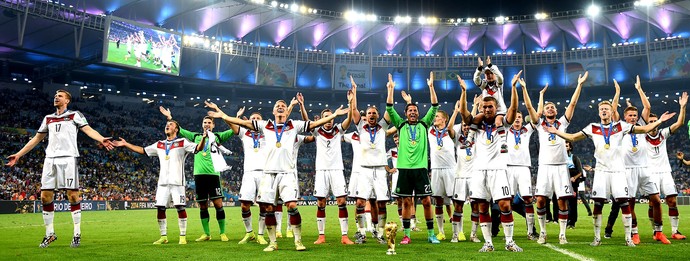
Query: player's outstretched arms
(683, 101)
(614, 104)
(339, 112)
(465, 115)
(514, 103)
(649, 127)
(572, 137)
(93, 134)
(134, 148)
(12, 159)
(570, 111)
(231, 120)
(646, 105)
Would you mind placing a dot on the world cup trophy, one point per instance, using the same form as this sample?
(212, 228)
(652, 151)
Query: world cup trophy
(391, 228)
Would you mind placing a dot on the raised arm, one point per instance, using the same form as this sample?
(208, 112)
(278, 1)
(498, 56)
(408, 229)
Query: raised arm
(680, 157)
(390, 131)
(646, 106)
(200, 145)
(477, 74)
(302, 109)
(390, 88)
(355, 111)
(494, 69)
(614, 103)
(683, 101)
(649, 127)
(512, 109)
(540, 106)
(464, 113)
(230, 120)
(12, 159)
(348, 120)
(576, 95)
(451, 121)
(476, 104)
(432, 93)
(134, 148)
(236, 128)
(533, 115)
(340, 111)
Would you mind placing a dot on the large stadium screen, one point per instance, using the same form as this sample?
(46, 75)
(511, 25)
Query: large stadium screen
(139, 46)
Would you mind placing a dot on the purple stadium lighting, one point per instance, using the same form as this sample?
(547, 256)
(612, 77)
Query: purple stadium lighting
(619, 23)
(580, 28)
(542, 33)
(503, 35)
(320, 33)
(392, 34)
(467, 36)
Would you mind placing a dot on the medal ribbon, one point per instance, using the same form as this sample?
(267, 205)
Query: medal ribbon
(439, 136)
(606, 134)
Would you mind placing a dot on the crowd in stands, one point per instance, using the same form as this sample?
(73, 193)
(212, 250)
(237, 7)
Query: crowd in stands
(123, 175)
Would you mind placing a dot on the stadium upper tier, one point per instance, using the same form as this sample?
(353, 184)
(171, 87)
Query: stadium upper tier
(262, 43)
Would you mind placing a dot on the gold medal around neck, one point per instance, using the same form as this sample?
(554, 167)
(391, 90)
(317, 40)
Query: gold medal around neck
(439, 147)
(634, 149)
(607, 146)
(468, 158)
(412, 142)
(488, 142)
(256, 149)
(553, 141)
(516, 146)
(373, 146)
(278, 144)
(203, 154)
(167, 157)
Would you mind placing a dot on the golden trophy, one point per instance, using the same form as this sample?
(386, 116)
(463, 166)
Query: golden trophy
(391, 228)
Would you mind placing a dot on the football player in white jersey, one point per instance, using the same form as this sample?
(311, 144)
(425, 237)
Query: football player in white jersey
(636, 166)
(607, 136)
(443, 163)
(171, 154)
(552, 175)
(60, 165)
(491, 85)
(489, 180)
(519, 175)
(279, 180)
(329, 171)
(465, 151)
(658, 157)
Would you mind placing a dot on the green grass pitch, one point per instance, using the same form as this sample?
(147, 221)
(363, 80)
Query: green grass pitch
(117, 56)
(128, 234)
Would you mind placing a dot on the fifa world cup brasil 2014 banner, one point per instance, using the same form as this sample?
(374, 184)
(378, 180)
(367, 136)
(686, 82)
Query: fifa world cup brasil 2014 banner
(360, 73)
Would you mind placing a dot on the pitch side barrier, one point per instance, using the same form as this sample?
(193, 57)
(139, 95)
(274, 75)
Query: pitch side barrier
(35, 206)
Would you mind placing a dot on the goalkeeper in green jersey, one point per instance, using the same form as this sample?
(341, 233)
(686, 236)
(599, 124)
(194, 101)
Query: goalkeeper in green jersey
(412, 162)
(208, 164)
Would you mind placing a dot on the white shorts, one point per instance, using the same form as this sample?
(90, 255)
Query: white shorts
(394, 183)
(250, 185)
(610, 182)
(520, 180)
(372, 182)
(60, 173)
(274, 185)
(352, 185)
(665, 182)
(442, 182)
(553, 178)
(640, 180)
(490, 184)
(330, 180)
(166, 193)
(461, 189)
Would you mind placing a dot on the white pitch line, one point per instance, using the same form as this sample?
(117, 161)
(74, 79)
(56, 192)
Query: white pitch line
(568, 253)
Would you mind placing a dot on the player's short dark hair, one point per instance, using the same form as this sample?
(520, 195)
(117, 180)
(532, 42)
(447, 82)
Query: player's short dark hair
(177, 124)
(69, 96)
(210, 118)
(490, 99)
(283, 101)
(396, 135)
(549, 103)
(410, 105)
(629, 108)
(257, 113)
(652, 115)
(371, 107)
(324, 111)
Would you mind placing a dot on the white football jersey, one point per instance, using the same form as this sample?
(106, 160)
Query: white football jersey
(465, 154)
(441, 149)
(611, 158)
(299, 141)
(373, 156)
(254, 145)
(518, 145)
(657, 156)
(635, 148)
(552, 147)
(353, 139)
(171, 155)
(62, 133)
(329, 155)
(496, 90)
(488, 148)
(279, 155)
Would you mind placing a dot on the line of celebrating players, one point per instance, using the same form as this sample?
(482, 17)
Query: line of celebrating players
(484, 159)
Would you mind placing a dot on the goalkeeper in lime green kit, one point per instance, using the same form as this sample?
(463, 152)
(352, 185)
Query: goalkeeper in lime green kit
(412, 163)
(208, 164)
